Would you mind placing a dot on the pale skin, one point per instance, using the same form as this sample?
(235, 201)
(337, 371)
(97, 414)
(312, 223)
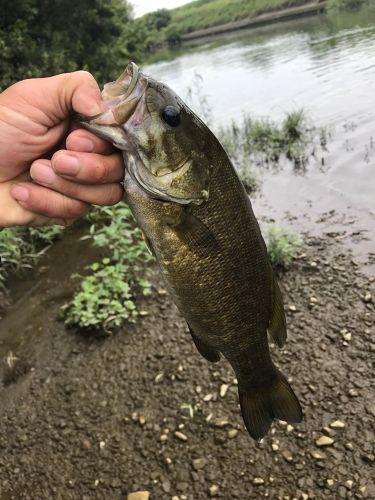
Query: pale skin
(40, 182)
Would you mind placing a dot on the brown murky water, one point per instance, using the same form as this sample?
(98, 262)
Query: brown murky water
(325, 65)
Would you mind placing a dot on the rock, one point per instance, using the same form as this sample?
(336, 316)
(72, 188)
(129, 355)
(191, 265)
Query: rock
(324, 441)
(139, 495)
(337, 424)
(349, 484)
(232, 433)
(367, 297)
(330, 482)
(219, 422)
(214, 490)
(318, 455)
(292, 308)
(159, 377)
(257, 481)
(208, 397)
(274, 447)
(180, 436)
(199, 463)
(287, 455)
(223, 390)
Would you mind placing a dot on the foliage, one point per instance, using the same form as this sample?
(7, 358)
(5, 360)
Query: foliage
(266, 142)
(282, 245)
(20, 248)
(346, 5)
(106, 297)
(44, 37)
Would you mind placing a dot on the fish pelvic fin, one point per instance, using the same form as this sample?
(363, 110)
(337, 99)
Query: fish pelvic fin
(205, 350)
(260, 405)
(277, 326)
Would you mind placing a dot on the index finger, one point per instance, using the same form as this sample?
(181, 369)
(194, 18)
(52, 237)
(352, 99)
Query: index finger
(84, 141)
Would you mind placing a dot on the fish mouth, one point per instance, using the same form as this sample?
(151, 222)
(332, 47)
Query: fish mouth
(121, 98)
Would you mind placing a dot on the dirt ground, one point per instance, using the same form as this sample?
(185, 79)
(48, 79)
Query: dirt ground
(88, 418)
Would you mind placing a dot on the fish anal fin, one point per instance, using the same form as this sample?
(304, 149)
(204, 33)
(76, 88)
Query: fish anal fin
(277, 326)
(206, 351)
(260, 405)
(196, 235)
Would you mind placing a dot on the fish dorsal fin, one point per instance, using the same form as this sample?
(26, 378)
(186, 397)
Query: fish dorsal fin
(277, 326)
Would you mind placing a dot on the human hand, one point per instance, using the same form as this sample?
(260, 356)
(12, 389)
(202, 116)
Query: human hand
(35, 117)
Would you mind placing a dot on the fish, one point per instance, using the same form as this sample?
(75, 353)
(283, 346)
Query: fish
(198, 222)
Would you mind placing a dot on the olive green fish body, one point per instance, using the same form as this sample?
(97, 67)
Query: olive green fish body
(198, 222)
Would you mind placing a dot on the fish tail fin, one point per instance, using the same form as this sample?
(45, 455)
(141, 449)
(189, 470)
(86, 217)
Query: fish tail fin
(260, 405)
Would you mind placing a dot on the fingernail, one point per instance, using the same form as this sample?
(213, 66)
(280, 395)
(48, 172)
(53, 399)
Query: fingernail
(66, 165)
(95, 107)
(42, 173)
(83, 144)
(20, 193)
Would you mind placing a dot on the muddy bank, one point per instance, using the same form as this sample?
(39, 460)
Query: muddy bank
(272, 17)
(97, 418)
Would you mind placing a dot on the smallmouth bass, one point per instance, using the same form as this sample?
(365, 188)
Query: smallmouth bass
(198, 222)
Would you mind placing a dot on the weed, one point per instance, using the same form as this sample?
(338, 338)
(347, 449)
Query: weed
(20, 248)
(106, 297)
(282, 245)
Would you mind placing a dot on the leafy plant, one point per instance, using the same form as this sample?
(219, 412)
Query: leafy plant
(106, 297)
(282, 245)
(20, 248)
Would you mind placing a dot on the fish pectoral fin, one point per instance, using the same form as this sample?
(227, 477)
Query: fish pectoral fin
(277, 326)
(260, 405)
(206, 351)
(196, 235)
(148, 244)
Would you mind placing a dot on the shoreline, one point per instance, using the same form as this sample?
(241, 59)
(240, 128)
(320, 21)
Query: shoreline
(272, 17)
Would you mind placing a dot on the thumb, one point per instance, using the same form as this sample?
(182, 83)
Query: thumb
(78, 92)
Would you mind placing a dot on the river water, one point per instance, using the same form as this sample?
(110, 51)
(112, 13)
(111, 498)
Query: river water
(323, 64)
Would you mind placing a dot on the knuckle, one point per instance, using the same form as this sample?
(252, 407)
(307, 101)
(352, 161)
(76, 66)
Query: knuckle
(115, 194)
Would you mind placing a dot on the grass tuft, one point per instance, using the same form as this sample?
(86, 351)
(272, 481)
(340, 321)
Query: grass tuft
(282, 245)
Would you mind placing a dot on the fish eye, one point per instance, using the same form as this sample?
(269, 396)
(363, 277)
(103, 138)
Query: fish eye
(171, 116)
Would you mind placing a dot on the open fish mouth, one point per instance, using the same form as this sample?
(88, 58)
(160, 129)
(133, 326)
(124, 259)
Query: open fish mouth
(121, 98)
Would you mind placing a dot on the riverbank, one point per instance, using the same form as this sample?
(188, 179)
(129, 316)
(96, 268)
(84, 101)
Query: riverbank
(97, 418)
(275, 16)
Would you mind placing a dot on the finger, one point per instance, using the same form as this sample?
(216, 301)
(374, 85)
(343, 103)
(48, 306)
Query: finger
(43, 201)
(107, 194)
(88, 168)
(84, 141)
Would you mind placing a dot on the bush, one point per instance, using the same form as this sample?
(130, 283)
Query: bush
(106, 297)
(282, 245)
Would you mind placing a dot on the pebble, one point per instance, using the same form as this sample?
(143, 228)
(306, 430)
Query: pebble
(274, 447)
(330, 482)
(367, 298)
(318, 456)
(292, 308)
(139, 495)
(159, 377)
(337, 424)
(199, 463)
(232, 433)
(143, 313)
(257, 481)
(324, 441)
(208, 397)
(214, 490)
(287, 456)
(180, 436)
(223, 390)
(349, 484)
(220, 422)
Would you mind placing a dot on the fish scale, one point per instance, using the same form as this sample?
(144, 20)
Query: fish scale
(209, 248)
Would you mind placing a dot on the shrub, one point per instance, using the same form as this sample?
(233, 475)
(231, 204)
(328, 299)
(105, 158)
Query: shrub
(282, 245)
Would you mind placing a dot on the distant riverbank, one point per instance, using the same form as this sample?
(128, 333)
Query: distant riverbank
(260, 20)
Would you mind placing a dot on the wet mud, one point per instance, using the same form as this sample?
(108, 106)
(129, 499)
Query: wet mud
(97, 418)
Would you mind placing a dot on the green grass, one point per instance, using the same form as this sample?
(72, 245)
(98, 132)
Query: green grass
(282, 245)
(346, 5)
(260, 141)
(205, 13)
(21, 248)
(107, 296)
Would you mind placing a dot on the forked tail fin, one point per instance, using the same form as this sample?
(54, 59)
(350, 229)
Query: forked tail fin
(260, 405)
